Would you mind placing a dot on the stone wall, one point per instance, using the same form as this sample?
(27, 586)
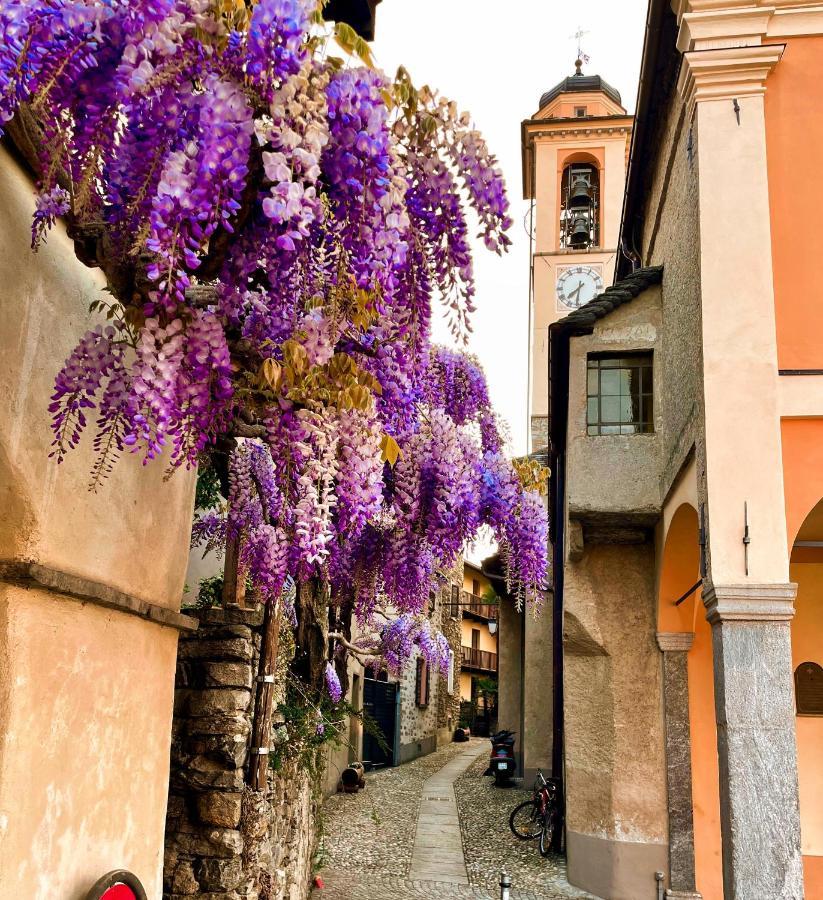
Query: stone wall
(672, 239)
(424, 728)
(222, 839)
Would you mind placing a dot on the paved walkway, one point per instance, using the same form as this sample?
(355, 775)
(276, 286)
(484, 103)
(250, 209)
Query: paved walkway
(432, 828)
(438, 845)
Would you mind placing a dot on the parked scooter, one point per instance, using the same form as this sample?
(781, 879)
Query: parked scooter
(502, 763)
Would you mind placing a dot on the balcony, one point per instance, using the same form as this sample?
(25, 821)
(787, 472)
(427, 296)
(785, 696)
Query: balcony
(474, 606)
(479, 660)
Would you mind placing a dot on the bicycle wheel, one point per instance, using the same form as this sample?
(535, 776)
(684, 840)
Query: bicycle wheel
(546, 835)
(524, 821)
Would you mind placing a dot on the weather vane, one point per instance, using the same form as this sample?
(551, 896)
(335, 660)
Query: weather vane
(578, 36)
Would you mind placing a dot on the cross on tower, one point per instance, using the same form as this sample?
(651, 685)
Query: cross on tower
(578, 36)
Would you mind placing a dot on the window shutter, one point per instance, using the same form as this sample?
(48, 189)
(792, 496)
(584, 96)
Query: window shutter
(455, 601)
(427, 685)
(421, 684)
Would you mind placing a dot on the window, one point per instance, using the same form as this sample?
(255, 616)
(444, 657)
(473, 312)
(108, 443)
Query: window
(619, 394)
(580, 112)
(475, 638)
(450, 674)
(421, 683)
(455, 602)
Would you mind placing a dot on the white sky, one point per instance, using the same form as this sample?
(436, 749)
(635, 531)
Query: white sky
(495, 59)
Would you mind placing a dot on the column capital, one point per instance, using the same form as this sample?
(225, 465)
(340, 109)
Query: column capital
(675, 641)
(749, 602)
(726, 73)
(723, 27)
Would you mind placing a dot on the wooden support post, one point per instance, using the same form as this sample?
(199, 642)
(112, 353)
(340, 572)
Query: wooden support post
(264, 701)
(234, 582)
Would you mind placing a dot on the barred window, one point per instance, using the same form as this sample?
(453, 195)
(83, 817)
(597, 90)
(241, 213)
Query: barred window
(620, 394)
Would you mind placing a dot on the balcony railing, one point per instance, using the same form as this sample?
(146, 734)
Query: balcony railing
(475, 606)
(484, 660)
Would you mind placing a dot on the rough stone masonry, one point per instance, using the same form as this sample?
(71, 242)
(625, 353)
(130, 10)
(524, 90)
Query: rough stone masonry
(224, 841)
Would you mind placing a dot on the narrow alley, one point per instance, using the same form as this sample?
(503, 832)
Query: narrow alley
(434, 827)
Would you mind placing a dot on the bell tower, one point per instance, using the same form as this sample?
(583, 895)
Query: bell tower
(575, 151)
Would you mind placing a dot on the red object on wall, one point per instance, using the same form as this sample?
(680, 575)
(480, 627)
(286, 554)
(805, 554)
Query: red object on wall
(119, 892)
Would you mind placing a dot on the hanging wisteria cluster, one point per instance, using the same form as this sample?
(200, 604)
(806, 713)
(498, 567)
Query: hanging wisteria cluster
(275, 227)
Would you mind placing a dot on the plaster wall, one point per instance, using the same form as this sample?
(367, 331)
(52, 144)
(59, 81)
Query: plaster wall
(536, 737)
(738, 310)
(626, 463)
(486, 641)
(807, 646)
(85, 718)
(472, 574)
(465, 685)
(596, 103)
(615, 765)
(794, 140)
(86, 695)
(679, 565)
(509, 670)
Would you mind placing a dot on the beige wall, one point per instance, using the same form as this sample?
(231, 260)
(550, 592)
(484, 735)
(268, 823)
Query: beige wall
(615, 765)
(509, 670)
(487, 641)
(631, 461)
(85, 708)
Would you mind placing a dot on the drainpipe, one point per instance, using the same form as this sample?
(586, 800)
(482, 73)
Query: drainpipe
(558, 391)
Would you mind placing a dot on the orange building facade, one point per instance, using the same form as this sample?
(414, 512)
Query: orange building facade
(699, 515)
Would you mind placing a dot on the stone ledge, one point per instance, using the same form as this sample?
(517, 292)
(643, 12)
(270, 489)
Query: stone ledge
(29, 574)
(749, 602)
(673, 641)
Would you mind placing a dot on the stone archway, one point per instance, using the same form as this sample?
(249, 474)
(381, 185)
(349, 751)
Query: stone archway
(806, 570)
(685, 639)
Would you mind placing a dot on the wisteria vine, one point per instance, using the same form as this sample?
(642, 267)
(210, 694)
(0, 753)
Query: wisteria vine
(275, 227)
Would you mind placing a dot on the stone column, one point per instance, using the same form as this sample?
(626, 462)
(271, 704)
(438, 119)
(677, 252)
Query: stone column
(675, 647)
(754, 700)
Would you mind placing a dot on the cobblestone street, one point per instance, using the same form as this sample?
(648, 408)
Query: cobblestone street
(398, 839)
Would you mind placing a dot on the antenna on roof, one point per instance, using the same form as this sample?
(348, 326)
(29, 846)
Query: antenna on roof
(581, 56)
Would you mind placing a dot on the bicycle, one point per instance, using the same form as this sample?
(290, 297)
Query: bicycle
(538, 817)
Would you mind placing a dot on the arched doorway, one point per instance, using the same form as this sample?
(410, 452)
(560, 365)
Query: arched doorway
(806, 570)
(680, 572)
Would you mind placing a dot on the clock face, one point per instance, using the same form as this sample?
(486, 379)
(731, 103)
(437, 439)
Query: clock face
(577, 285)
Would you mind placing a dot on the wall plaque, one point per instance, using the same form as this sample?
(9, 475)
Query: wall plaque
(808, 689)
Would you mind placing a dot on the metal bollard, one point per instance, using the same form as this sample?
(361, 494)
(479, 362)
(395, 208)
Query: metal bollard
(505, 885)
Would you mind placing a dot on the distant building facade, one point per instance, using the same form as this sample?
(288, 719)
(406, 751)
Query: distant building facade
(479, 621)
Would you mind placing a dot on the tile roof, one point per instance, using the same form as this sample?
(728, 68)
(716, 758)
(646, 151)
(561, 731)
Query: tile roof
(622, 292)
(580, 82)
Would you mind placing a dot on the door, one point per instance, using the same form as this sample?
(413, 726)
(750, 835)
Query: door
(380, 705)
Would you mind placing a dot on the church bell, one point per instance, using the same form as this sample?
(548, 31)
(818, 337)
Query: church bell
(579, 236)
(581, 193)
